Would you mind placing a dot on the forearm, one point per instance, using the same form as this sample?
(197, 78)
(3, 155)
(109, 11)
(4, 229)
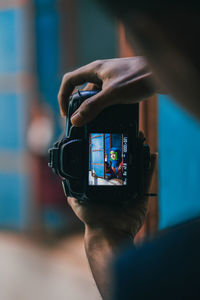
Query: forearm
(108, 230)
(102, 248)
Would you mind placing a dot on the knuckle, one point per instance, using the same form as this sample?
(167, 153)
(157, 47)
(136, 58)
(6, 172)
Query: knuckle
(97, 63)
(66, 76)
(86, 108)
(87, 105)
(60, 96)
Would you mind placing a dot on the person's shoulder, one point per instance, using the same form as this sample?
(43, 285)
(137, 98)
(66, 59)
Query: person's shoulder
(164, 263)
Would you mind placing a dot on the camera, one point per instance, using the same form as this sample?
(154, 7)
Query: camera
(104, 160)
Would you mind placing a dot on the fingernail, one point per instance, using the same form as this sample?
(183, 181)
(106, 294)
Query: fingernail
(76, 119)
(74, 113)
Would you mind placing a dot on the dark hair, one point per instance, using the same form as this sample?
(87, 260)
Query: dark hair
(122, 8)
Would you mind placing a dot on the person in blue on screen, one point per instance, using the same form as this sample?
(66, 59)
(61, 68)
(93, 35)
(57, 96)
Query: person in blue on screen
(114, 167)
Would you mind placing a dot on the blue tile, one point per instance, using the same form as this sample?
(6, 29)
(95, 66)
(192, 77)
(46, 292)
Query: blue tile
(12, 40)
(13, 122)
(179, 164)
(45, 3)
(13, 201)
(47, 48)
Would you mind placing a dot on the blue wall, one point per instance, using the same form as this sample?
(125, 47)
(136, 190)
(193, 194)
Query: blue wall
(19, 49)
(47, 50)
(179, 159)
(117, 141)
(11, 41)
(14, 196)
(97, 148)
(14, 200)
(97, 35)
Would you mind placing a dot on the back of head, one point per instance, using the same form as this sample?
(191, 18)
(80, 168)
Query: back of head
(121, 9)
(166, 33)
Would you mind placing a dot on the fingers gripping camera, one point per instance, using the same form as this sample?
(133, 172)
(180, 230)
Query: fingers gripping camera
(105, 160)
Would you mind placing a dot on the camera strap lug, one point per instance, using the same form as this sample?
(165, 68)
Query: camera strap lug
(53, 154)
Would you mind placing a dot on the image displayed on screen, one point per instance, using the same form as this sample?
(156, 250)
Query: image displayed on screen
(108, 159)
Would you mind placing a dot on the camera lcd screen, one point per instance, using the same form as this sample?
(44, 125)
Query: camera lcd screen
(108, 157)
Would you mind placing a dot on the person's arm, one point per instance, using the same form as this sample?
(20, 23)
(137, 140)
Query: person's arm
(102, 248)
(120, 80)
(108, 230)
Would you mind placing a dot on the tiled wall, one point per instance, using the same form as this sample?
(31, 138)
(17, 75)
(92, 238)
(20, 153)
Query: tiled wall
(33, 47)
(47, 50)
(179, 159)
(14, 103)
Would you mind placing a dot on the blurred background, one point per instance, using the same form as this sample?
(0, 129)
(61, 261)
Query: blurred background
(40, 40)
(40, 238)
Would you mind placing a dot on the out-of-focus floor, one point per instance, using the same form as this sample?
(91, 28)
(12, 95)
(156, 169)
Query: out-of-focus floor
(32, 272)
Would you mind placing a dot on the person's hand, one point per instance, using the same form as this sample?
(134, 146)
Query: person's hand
(108, 229)
(112, 220)
(120, 80)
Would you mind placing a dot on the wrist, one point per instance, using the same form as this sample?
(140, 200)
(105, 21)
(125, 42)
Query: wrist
(104, 237)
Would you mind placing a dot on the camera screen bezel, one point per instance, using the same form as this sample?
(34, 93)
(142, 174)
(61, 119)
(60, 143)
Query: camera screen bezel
(114, 119)
(127, 153)
(132, 180)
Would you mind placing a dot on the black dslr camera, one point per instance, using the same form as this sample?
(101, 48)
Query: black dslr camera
(105, 160)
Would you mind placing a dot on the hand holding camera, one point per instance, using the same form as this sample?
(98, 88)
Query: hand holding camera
(120, 81)
(105, 160)
(108, 149)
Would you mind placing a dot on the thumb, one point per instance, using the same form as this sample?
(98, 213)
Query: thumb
(89, 109)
